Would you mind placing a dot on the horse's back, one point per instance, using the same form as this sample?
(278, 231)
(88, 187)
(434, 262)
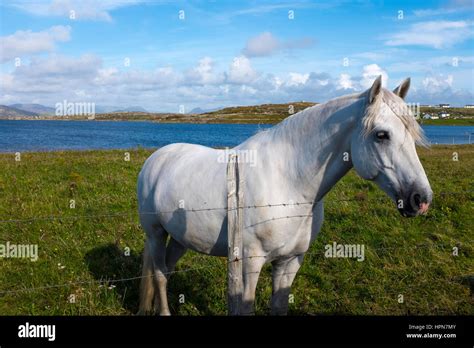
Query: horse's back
(170, 166)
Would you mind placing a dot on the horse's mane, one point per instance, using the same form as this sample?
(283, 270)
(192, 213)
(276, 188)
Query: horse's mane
(300, 119)
(400, 109)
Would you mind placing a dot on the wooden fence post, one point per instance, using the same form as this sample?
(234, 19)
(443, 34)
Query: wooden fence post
(234, 232)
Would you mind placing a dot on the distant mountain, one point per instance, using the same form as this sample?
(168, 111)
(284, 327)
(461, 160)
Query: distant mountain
(38, 109)
(202, 111)
(132, 109)
(105, 109)
(35, 108)
(9, 112)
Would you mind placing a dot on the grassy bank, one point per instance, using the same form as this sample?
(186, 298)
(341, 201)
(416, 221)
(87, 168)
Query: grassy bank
(450, 122)
(88, 243)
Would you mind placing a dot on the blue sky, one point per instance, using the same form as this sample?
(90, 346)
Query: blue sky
(232, 52)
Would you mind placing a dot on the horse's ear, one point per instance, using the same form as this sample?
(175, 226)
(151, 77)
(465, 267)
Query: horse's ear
(402, 90)
(375, 89)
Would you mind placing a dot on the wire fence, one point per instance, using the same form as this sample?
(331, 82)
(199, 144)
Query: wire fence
(223, 209)
(132, 213)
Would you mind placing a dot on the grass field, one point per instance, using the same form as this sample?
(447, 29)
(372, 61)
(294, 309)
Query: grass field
(81, 248)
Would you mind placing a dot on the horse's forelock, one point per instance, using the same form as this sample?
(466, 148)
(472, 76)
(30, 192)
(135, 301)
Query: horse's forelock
(400, 109)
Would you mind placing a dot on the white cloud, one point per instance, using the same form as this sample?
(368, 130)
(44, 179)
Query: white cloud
(453, 6)
(428, 65)
(437, 83)
(24, 42)
(440, 88)
(204, 73)
(297, 79)
(82, 9)
(58, 66)
(370, 73)
(54, 78)
(163, 77)
(241, 71)
(53, 75)
(266, 44)
(261, 45)
(345, 82)
(436, 34)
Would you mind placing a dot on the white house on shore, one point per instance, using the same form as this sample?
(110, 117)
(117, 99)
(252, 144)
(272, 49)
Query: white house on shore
(443, 114)
(469, 106)
(444, 106)
(430, 117)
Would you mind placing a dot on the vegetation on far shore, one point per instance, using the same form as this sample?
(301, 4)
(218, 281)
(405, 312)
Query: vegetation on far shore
(81, 248)
(262, 114)
(449, 122)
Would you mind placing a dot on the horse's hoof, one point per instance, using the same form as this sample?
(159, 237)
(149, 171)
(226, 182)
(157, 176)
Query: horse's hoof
(143, 312)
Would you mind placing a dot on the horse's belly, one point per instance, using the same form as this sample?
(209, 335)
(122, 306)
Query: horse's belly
(205, 234)
(285, 233)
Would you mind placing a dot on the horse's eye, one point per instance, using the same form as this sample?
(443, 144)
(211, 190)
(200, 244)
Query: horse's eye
(382, 135)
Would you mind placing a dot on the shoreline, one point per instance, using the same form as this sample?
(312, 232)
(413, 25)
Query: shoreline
(449, 122)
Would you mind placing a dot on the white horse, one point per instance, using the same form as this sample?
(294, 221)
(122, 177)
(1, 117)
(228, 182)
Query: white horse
(298, 160)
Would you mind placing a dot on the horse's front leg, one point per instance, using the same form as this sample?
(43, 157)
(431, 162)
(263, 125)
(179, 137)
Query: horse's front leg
(251, 268)
(283, 274)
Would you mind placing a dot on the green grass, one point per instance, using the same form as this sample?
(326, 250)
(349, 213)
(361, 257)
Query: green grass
(449, 122)
(412, 257)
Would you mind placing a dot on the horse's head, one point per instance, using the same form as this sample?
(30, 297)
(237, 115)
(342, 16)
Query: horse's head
(383, 149)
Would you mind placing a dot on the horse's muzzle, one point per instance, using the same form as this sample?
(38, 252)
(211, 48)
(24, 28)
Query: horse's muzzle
(417, 203)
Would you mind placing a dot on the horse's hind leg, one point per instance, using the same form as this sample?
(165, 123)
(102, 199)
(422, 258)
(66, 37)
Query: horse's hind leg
(146, 284)
(174, 251)
(154, 269)
(157, 240)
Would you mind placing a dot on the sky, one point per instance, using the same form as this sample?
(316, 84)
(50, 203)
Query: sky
(172, 55)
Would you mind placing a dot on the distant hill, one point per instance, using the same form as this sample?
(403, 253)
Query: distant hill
(269, 112)
(35, 108)
(264, 114)
(131, 109)
(9, 112)
(202, 111)
(105, 109)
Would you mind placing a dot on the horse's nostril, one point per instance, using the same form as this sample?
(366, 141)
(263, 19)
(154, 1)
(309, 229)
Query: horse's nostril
(417, 199)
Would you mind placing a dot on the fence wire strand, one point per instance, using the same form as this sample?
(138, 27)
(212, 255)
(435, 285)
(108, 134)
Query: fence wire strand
(207, 209)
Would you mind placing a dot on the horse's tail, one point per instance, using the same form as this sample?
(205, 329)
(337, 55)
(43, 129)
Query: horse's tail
(146, 285)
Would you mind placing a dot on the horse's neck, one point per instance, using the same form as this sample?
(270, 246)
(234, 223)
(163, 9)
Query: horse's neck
(319, 139)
